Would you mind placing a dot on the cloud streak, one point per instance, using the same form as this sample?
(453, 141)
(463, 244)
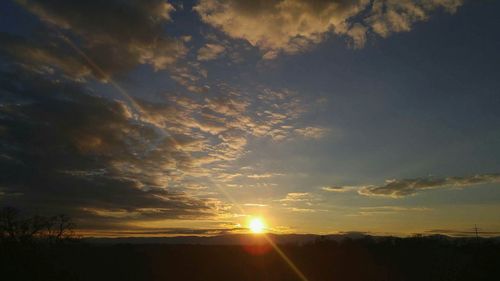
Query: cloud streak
(335, 188)
(404, 187)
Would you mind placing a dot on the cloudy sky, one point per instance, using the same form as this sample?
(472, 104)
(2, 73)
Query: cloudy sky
(172, 117)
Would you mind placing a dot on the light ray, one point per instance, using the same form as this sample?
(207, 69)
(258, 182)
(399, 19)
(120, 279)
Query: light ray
(285, 258)
(102, 73)
(141, 112)
(135, 106)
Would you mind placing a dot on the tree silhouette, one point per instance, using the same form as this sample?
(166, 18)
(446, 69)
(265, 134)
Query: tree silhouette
(16, 228)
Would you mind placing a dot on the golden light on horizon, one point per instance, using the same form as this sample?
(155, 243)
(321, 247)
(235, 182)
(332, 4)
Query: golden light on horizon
(256, 225)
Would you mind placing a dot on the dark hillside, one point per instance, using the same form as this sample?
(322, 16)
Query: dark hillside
(419, 258)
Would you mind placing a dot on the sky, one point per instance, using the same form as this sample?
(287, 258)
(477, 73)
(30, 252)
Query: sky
(141, 118)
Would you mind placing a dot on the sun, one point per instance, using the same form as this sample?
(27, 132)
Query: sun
(257, 225)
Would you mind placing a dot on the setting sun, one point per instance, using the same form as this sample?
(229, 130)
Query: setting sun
(261, 140)
(257, 225)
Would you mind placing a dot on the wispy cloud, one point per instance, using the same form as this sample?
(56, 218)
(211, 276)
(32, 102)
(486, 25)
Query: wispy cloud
(334, 188)
(303, 210)
(255, 205)
(388, 210)
(263, 176)
(161, 232)
(312, 132)
(403, 187)
(296, 197)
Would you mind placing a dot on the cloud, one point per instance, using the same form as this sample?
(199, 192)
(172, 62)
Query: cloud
(64, 147)
(190, 75)
(274, 26)
(255, 205)
(334, 188)
(383, 209)
(161, 231)
(210, 52)
(388, 210)
(263, 176)
(220, 123)
(358, 35)
(43, 58)
(296, 197)
(106, 162)
(113, 35)
(66, 151)
(293, 26)
(303, 210)
(404, 187)
(390, 16)
(301, 202)
(312, 132)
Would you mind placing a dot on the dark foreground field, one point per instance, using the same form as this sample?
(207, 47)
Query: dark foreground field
(422, 259)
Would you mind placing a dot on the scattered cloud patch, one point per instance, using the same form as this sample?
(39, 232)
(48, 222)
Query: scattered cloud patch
(163, 158)
(191, 75)
(312, 132)
(210, 52)
(296, 197)
(293, 26)
(389, 16)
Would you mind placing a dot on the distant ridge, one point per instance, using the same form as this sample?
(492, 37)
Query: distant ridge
(248, 239)
(229, 239)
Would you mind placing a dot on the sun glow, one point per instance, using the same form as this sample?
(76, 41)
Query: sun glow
(257, 225)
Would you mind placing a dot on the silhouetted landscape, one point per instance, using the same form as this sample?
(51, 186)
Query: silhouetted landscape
(30, 252)
(249, 140)
(369, 258)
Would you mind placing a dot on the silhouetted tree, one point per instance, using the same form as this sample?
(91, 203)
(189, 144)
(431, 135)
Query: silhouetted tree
(15, 228)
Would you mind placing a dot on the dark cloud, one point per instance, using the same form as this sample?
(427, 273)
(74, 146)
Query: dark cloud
(40, 56)
(168, 232)
(107, 162)
(63, 150)
(103, 37)
(405, 187)
(335, 188)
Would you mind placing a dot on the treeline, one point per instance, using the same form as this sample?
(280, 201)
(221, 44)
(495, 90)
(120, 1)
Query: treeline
(435, 258)
(367, 259)
(16, 227)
